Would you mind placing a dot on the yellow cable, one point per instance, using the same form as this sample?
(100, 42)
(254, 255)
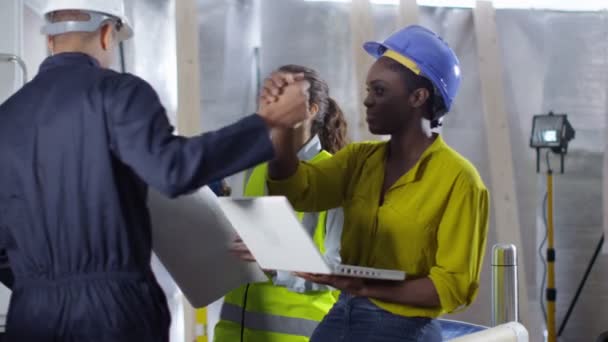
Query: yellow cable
(201, 320)
(551, 331)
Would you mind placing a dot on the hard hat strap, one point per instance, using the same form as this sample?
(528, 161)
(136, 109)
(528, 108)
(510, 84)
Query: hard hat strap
(438, 106)
(93, 24)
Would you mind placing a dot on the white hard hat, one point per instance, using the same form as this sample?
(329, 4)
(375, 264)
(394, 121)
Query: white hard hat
(99, 11)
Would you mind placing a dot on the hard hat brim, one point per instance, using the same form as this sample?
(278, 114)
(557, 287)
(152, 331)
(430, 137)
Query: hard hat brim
(125, 33)
(375, 49)
(99, 6)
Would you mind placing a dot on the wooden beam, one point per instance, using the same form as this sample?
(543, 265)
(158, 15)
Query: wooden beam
(605, 181)
(188, 68)
(605, 190)
(408, 13)
(188, 102)
(497, 130)
(361, 28)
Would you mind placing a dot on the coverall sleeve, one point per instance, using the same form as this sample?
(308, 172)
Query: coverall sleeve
(318, 186)
(461, 242)
(142, 138)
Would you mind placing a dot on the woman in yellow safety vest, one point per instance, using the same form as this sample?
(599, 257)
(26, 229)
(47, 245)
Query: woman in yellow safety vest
(411, 203)
(288, 308)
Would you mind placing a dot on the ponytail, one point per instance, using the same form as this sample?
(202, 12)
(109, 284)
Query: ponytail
(332, 133)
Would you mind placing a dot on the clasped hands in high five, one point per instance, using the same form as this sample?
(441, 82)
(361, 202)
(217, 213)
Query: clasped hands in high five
(284, 100)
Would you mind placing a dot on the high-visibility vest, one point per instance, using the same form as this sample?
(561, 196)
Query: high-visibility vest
(273, 313)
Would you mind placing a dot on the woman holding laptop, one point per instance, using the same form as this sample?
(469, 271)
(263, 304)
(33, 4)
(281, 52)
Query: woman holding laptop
(287, 308)
(411, 204)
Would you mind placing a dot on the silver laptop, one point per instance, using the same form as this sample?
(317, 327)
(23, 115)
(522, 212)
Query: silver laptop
(274, 235)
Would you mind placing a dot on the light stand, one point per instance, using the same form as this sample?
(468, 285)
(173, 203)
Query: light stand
(552, 132)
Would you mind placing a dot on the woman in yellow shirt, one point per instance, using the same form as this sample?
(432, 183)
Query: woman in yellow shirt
(412, 203)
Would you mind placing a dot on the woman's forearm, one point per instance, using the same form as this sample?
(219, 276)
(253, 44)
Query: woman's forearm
(285, 163)
(417, 292)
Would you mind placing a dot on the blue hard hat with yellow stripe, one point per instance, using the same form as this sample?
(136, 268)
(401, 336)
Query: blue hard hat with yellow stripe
(425, 54)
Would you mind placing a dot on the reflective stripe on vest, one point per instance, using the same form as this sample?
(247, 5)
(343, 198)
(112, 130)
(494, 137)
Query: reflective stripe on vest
(265, 322)
(275, 308)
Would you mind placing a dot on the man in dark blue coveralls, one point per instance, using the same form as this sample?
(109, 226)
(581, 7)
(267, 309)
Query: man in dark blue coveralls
(79, 145)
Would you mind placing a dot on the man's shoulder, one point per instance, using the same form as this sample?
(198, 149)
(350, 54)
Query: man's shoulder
(125, 88)
(118, 79)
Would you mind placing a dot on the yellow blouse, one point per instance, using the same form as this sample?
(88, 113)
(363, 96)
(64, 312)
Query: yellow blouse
(433, 222)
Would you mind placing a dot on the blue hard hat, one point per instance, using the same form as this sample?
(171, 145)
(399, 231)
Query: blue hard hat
(433, 59)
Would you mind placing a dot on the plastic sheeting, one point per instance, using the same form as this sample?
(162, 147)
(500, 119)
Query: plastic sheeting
(229, 33)
(151, 55)
(10, 23)
(559, 61)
